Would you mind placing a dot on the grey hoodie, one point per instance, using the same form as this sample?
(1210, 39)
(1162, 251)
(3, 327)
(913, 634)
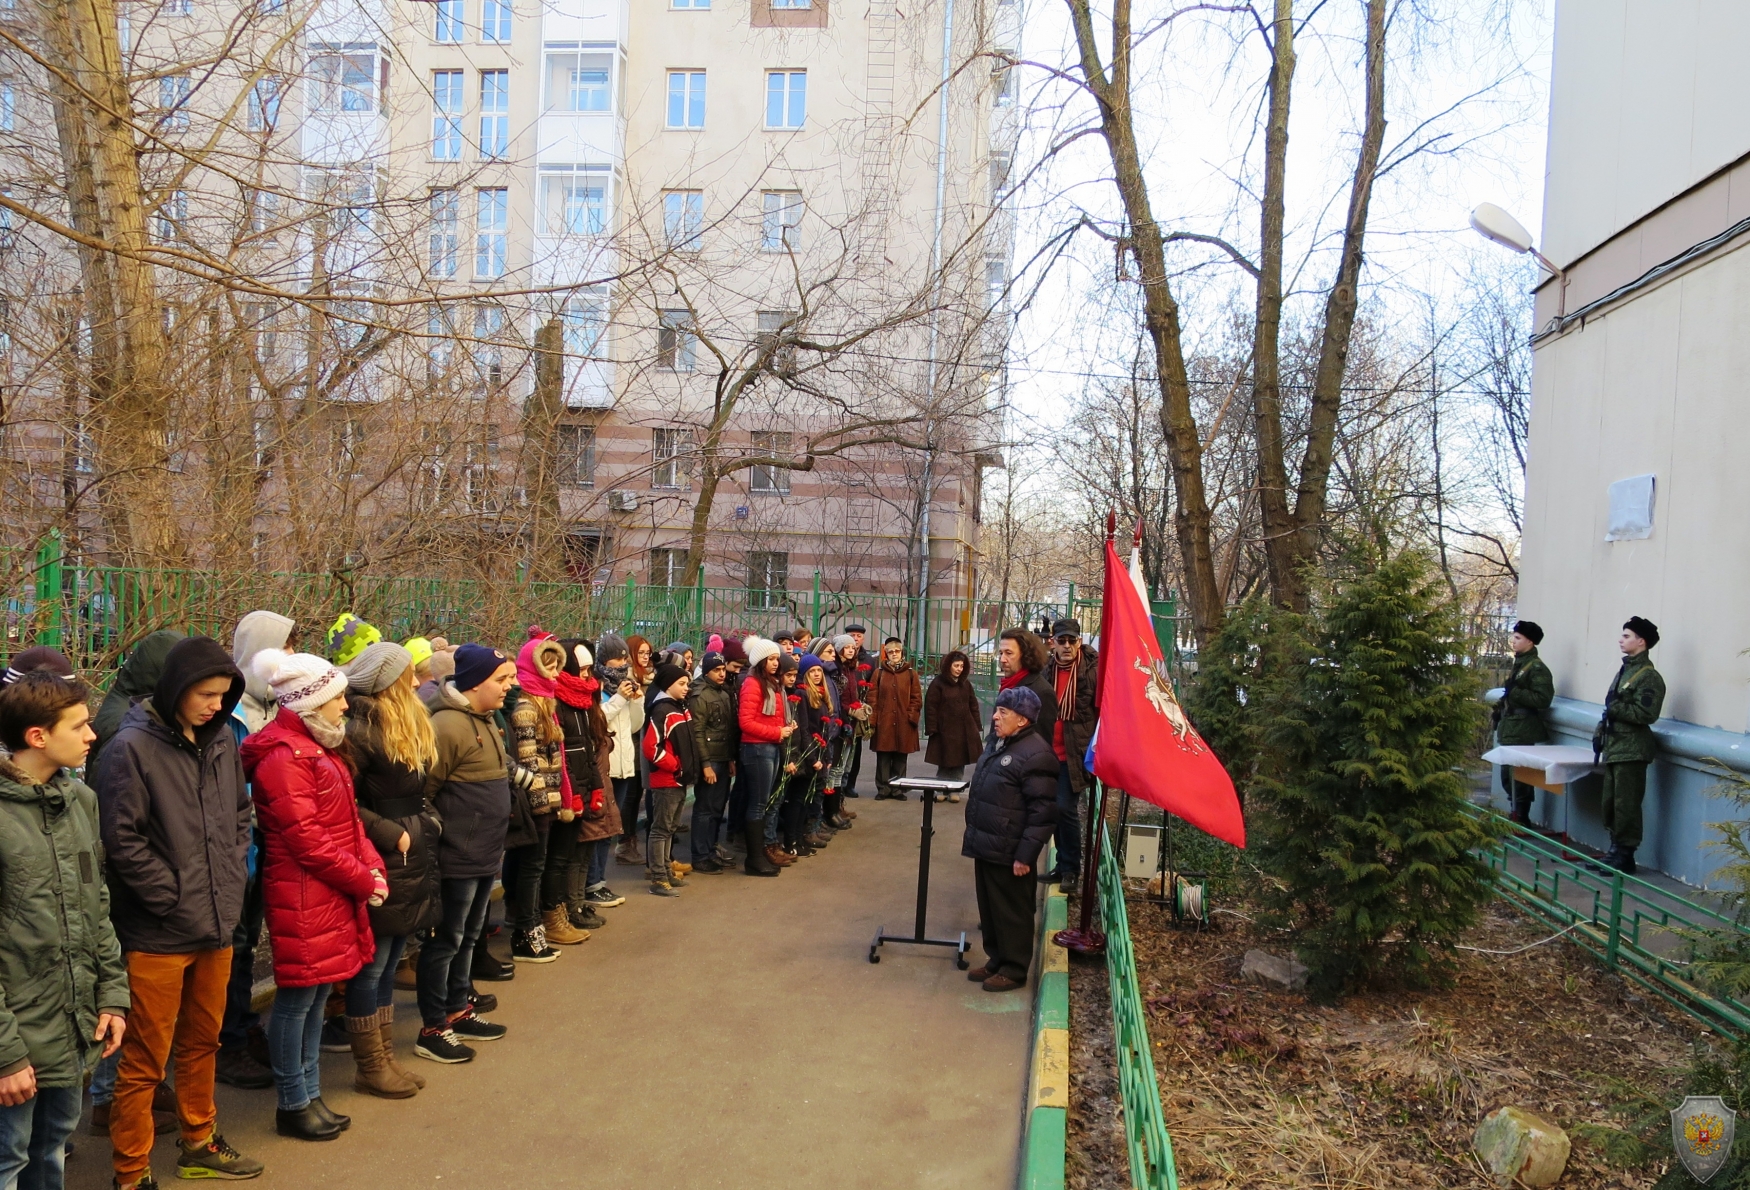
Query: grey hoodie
(255, 632)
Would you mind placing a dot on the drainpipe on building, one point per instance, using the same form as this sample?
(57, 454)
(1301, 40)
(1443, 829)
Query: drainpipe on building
(935, 329)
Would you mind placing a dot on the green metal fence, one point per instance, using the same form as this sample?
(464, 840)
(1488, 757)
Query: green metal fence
(96, 613)
(1633, 926)
(1145, 1126)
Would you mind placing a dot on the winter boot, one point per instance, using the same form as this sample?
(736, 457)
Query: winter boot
(560, 931)
(758, 862)
(777, 855)
(386, 1030)
(585, 917)
(375, 1075)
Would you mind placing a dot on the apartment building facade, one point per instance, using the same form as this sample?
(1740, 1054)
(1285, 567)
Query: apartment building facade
(676, 185)
(1639, 399)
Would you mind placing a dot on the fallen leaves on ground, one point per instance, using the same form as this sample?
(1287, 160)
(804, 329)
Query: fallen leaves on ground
(1262, 1088)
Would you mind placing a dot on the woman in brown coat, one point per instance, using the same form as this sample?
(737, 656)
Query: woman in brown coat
(898, 699)
(953, 721)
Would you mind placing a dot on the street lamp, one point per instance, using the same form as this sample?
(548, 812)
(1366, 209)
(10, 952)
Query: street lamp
(1492, 223)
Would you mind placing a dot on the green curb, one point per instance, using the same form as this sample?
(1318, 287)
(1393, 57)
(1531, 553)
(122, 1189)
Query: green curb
(1042, 1147)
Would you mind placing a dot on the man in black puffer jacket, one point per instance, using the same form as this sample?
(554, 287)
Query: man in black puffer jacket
(1009, 818)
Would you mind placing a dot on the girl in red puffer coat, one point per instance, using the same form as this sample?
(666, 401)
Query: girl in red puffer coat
(319, 874)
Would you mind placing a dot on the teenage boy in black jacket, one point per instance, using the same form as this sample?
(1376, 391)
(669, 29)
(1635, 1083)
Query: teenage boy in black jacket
(716, 732)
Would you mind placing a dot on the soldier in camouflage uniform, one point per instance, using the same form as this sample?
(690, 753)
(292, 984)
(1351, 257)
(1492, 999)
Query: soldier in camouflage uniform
(1624, 739)
(1519, 715)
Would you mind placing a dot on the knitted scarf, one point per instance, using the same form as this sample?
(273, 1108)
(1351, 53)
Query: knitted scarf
(1014, 679)
(575, 691)
(1066, 702)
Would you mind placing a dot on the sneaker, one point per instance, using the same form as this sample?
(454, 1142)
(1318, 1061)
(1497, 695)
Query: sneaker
(235, 1068)
(442, 1045)
(663, 888)
(708, 866)
(334, 1038)
(471, 1026)
(588, 918)
(145, 1183)
(215, 1159)
(724, 856)
(679, 868)
(482, 1001)
(603, 897)
(532, 948)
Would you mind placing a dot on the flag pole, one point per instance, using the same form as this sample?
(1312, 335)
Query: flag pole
(1085, 939)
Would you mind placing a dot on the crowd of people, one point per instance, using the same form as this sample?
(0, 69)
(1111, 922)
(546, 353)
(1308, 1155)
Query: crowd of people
(363, 806)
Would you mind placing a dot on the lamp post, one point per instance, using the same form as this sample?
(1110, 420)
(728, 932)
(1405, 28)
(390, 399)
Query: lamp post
(1493, 223)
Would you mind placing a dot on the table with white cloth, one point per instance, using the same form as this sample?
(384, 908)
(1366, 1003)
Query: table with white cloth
(1549, 767)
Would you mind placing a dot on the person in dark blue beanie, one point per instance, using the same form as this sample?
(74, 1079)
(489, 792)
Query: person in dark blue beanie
(1022, 701)
(476, 663)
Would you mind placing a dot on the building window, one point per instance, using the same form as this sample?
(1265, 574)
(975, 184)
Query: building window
(579, 82)
(686, 99)
(173, 91)
(577, 456)
(258, 325)
(786, 97)
(172, 216)
(446, 222)
(349, 444)
(264, 212)
(478, 462)
(1000, 163)
(495, 20)
(770, 479)
(574, 200)
(781, 220)
(440, 344)
(996, 282)
(695, 5)
(491, 231)
(344, 81)
(675, 341)
(584, 320)
(583, 555)
(768, 576)
(668, 449)
(1002, 81)
(264, 105)
(792, 4)
(494, 114)
(450, 20)
(683, 219)
(8, 107)
(446, 115)
(667, 566)
(488, 352)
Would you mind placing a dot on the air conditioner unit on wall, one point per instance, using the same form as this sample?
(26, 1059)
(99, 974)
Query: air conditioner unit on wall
(623, 501)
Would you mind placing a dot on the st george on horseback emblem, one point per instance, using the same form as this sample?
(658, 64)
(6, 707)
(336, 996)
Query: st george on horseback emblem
(1159, 690)
(1701, 1131)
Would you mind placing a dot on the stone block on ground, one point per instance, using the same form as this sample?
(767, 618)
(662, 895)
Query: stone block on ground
(1260, 966)
(1516, 1144)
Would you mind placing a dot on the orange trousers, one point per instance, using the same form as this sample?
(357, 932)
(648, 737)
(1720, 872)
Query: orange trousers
(178, 1004)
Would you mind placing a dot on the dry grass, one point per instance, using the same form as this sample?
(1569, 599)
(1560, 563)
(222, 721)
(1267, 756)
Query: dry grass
(1382, 1092)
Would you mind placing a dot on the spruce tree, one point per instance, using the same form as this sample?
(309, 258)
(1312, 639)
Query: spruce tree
(1237, 683)
(1359, 812)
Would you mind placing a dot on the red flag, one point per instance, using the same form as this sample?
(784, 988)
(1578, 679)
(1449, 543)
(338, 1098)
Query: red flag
(1146, 745)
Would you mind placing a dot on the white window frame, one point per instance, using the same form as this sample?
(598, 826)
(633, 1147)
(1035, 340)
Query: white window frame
(566, 209)
(450, 22)
(491, 232)
(780, 220)
(676, 341)
(577, 455)
(343, 79)
(449, 100)
(786, 100)
(264, 103)
(687, 89)
(564, 63)
(173, 94)
(445, 246)
(494, 120)
(495, 26)
(765, 479)
(669, 447)
(683, 219)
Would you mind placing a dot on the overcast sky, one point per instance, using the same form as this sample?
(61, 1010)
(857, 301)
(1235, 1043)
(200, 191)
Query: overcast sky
(1475, 70)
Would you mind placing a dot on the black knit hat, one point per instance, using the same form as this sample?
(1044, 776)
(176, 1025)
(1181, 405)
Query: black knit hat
(1643, 628)
(667, 674)
(1529, 631)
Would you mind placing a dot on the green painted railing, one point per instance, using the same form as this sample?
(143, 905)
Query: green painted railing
(1642, 931)
(96, 613)
(1145, 1126)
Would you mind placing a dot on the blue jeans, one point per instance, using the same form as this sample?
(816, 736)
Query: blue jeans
(33, 1139)
(710, 799)
(103, 1079)
(628, 793)
(761, 762)
(1069, 825)
(294, 1043)
(373, 987)
(598, 862)
(447, 954)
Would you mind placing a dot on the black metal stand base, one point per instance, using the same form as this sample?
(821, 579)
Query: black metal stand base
(928, 788)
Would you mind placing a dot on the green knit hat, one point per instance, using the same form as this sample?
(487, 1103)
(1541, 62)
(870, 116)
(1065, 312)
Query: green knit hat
(349, 636)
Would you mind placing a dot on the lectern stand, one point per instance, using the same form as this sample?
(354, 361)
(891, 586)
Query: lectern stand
(928, 787)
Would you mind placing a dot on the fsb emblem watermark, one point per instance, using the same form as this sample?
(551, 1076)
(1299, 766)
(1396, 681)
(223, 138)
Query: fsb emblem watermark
(1702, 1128)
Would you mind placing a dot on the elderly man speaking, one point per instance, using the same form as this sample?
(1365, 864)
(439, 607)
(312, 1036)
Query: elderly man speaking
(1009, 817)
